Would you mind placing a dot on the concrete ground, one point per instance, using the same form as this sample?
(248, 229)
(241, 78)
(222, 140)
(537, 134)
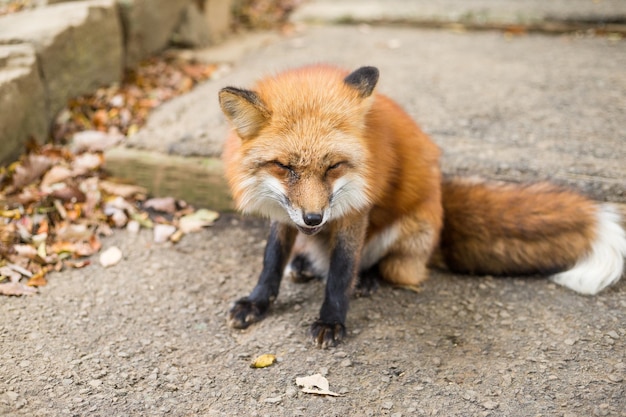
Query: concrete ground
(148, 337)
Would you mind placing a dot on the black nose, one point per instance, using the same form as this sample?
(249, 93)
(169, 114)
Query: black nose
(312, 219)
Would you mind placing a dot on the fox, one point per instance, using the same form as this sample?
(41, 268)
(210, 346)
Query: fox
(355, 194)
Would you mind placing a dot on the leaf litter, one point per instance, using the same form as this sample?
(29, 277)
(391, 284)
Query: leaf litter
(56, 206)
(57, 202)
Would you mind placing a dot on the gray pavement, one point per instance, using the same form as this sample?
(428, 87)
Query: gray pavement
(517, 108)
(148, 337)
(471, 12)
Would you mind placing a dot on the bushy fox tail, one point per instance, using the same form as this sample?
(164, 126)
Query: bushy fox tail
(510, 229)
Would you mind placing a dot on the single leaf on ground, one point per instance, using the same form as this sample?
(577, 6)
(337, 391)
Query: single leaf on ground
(16, 288)
(164, 204)
(123, 190)
(94, 141)
(263, 361)
(162, 232)
(315, 384)
(196, 221)
(33, 167)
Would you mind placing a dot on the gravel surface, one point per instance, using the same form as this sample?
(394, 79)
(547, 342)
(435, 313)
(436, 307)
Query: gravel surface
(148, 337)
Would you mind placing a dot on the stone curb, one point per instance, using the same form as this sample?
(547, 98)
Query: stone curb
(197, 180)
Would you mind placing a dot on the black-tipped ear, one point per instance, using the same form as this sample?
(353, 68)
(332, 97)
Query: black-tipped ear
(245, 110)
(363, 80)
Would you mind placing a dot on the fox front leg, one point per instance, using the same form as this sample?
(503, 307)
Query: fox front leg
(254, 307)
(330, 328)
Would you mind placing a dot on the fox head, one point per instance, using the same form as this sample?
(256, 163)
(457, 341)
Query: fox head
(298, 152)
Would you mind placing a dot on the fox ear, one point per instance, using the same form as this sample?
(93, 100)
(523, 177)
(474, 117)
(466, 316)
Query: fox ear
(245, 110)
(363, 80)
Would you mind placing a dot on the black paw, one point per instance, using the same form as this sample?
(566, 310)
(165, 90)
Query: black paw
(326, 335)
(246, 312)
(302, 269)
(368, 283)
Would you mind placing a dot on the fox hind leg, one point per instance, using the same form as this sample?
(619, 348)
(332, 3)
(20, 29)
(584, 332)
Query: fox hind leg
(405, 264)
(368, 281)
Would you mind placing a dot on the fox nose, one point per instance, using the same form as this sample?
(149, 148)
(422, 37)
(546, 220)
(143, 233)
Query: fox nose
(312, 219)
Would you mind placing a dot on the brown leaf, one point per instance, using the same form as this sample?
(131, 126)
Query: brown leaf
(69, 193)
(73, 232)
(87, 162)
(56, 174)
(8, 233)
(196, 221)
(164, 204)
(94, 141)
(16, 288)
(25, 251)
(33, 167)
(78, 264)
(123, 190)
(10, 273)
(39, 279)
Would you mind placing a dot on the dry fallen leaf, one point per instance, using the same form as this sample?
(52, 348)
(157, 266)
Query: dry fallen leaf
(263, 361)
(39, 279)
(162, 232)
(122, 190)
(56, 174)
(33, 167)
(164, 204)
(87, 162)
(315, 384)
(16, 288)
(196, 221)
(110, 256)
(94, 141)
(10, 273)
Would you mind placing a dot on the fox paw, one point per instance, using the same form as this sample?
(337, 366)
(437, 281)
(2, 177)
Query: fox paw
(246, 312)
(368, 283)
(327, 335)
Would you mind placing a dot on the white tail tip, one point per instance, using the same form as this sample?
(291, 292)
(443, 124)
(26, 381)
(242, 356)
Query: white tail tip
(604, 264)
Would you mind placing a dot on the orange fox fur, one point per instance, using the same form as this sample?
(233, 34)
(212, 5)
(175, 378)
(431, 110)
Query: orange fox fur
(354, 189)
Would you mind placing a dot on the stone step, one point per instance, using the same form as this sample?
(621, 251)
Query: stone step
(71, 48)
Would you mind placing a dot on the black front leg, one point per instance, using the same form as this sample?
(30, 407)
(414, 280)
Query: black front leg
(330, 328)
(253, 308)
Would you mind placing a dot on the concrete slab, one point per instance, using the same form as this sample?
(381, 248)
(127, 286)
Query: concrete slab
(513, 12)
(512, 108)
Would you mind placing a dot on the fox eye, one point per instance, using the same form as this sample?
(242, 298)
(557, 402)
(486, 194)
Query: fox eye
(284, 169)
(283, 166)
(335, 166)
